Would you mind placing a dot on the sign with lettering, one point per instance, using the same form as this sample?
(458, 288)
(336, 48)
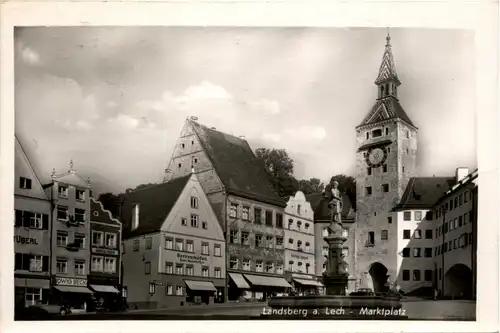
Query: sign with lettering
(191, 258)
(105, 251)
(299, 256)
(25, 240)
(60, 281)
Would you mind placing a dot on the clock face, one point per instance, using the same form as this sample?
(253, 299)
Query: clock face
(376, 157)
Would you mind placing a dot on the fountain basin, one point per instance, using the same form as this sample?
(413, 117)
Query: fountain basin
(334, 307)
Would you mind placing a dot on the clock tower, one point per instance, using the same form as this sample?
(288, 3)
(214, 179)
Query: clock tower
(385, 161)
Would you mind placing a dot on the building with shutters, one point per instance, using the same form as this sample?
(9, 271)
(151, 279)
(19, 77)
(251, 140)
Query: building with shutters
(32, 230)
(173, 247)
(69, 194)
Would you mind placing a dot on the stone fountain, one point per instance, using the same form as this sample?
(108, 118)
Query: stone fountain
(335, 304)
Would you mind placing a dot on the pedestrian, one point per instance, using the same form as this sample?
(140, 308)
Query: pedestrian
(435, 294)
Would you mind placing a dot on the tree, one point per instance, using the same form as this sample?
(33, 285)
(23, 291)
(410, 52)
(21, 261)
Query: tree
(347, 184)
(112, 202)
(313, 185)
(279, 168)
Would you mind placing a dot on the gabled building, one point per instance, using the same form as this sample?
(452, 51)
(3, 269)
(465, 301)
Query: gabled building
(32, 229)
(249, 209)
(322, 220)
(104, 277)
(174, 251)
(69, 194)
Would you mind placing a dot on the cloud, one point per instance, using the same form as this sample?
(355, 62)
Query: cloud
(307, 133)
(124, 121)
(274, 137)
(30, 56)
(83, 125)
(204, 91)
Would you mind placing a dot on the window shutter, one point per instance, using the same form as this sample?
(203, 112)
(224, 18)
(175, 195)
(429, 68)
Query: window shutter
(27, 219)
(18, 261)
(26, 262)
(28, 183)
(45, 222)
(19, 218)
(45, 264)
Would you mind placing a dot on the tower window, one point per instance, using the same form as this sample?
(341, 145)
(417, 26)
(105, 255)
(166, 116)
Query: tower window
(387, 131)
(376, 133)
(384, 168)
(369, 190)
(403, 169)
(385, 187)
(367, 135)
(389, 219)
(180, 165)
(369, 171)
(385, 235)
(371, 238)
(182, 145)
(407, 151)
(388, 150)
(382, 91)
(408, 134)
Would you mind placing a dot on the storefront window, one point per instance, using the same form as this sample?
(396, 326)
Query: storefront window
(32, 296)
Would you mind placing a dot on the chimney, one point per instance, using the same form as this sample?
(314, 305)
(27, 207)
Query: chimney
(135, 217)
(461, 173)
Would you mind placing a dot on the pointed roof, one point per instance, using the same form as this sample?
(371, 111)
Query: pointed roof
(21, 158)
(155, 203)
(424, 192)
(387, 69)
(384, 109)
(236, 165)
(100, 214)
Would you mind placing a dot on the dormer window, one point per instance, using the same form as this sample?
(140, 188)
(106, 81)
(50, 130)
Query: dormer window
(63, 191)
(377, 133)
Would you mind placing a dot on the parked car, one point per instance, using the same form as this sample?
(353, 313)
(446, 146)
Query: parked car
(59, 309)
(362, 292)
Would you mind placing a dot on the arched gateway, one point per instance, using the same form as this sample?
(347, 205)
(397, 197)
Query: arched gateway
(378, 273)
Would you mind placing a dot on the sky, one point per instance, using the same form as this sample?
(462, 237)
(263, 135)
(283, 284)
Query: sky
(114, 99)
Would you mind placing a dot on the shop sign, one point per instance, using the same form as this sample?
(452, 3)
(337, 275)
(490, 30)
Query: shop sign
(190, 258)
(105, 251)
(25, 240)
(299, 256)
(302, 276)
(71, 282)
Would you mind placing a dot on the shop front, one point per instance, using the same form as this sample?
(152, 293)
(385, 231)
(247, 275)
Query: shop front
(30, 291)
(306, 285)
(238, 287)
(199, 292)
(262, 287)
(72, 292)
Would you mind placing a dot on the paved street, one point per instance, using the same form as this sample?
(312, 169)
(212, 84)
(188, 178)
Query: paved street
(440, 310)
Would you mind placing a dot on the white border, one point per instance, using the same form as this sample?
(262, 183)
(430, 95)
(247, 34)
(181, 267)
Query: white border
(480, 16)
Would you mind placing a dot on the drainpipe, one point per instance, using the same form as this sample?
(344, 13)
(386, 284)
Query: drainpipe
(442, 250)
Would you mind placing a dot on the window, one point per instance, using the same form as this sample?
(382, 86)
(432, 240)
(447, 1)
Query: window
(233, 210)
(279, 241)
(417, 234)
(269, 241)
(32, 296)
(428, 275)
(62, 238)
(418, 216)
(299, 245)
(369, 171)
(217, 251)
(79, 267)
(385, 187)
(455, 223)
(194, 220)
(371, 238)
(460, 200)
(368, 190)
(455, 203)
(190, 246)
(385, 235)
(169, 290)
(290, 241)
(306, 226)
(258, 240)
(406, 252)
(269, 267)
(279, 268)
(217, 272)
(460, 221)
(465, 218)
(36, 221)
(179, 269)
(184, 221)
(62, 213)
(204, 271)
(406, 234)
(233, 236)
(179, 245)
(389, 219)
(204, 225)
(136, 245)
(417, 253)
(367, 135)
(416, 275)
(384, 168)
(428, 234)
(194, 202)
(246, 264)
(79, 215)
(63, 191)
(269, 218)
(169, 243)
(245, 213)
(179, 290)
(149, 243)
(80, 240)
(325, 232)
(25, 183)
(376, 133)
(428, 252)
(169, 268)
(466, 195)
(290, 223)
(299, 224)
(152, 288)
(279, 220)
(189, 270)
(62, 266)
(259, 266)
(308, 248)
(204, 248)
(407, 216)
(257, 212)
(36, 264)
(233, 263)
(244, 238)
(147, 267)
(110, 265)
(80, 195)
(111, 240)
(325, 251)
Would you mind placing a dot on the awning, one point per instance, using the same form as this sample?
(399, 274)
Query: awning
(308, 282)
(239, 280)
(267, 281)
(72, 289)
(200, 285)
(104, 289)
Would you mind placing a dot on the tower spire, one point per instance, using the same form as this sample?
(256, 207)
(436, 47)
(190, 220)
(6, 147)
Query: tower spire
(387, 79)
